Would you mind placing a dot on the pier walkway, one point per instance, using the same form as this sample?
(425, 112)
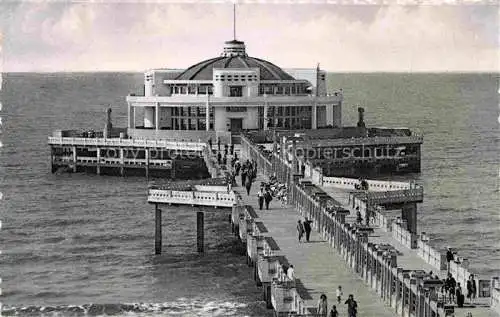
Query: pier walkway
(320, 268)
(317, 265)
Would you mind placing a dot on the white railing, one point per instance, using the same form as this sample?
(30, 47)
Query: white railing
(431, 255)
(191, 197)
(188, 146)
(373, 185)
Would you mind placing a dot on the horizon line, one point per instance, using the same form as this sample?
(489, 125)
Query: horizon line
(328, 71)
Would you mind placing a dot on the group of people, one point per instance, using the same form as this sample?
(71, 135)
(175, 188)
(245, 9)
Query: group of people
(304, 228)
(453, 292)
(352, 305)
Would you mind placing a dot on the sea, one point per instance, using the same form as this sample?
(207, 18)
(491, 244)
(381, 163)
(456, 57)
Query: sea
(77, 244)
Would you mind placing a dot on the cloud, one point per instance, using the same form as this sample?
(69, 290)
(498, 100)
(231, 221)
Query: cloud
(133, 36)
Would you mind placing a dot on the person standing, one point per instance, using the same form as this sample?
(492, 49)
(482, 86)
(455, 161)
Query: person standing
(260, 194)
(218, 144)
(268, 197)
(459, 295)
(449, 257)
(339, 294)
(291, 273)
(300, 230)
(474, 287)
(352, 306)
(307, 228)
(322, 306)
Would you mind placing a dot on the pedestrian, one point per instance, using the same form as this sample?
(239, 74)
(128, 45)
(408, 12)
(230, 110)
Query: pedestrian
(359, 219)
(449, 257)
(248, 185)
(307, 228)
(450, 287)
(267, 198)
(291, 273)
(352, 306)
(474, 288)
(243, 176)
(210, 143)
(322, 306)
(300, 230)
(260, 194)
(219, 158)
(218, 144)
(334, 312)
(459, 295)
(339, 294)
(232, 149)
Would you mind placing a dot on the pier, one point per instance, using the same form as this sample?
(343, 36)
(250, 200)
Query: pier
(385, 263)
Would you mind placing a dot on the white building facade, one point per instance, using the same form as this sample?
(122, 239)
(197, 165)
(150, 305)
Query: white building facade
(234, 92)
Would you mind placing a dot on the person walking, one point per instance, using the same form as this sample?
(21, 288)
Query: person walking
(322, 306)
(352, 306)
(300, 230)
(339, 294)
(307, 228)
(268, 197)
(260, 194)
(474, 288)
(334, 312)
(291, 273)
(248, 185)
(243, 176)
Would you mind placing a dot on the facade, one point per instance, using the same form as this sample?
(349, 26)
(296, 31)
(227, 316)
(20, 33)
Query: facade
(231, 93)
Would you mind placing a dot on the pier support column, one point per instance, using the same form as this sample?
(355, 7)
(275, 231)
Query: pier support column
(158, 235)
(200, 232)
(98, 165)
(409, 213)
(146, 153)
(52, 169)
(74, 159)
(122, 162)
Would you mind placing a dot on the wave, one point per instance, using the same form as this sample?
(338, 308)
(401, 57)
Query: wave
(180, 307)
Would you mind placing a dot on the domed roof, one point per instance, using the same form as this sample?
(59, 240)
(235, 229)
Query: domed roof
(234, 56)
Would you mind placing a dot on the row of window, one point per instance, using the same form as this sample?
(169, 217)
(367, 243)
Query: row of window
(190, 112)
(236, 77)
(191, 124)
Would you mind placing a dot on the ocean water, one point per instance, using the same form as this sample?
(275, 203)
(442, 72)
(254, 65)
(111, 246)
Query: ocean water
(74, 243)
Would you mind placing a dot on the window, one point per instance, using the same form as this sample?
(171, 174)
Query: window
(236, 109)
(236, 91)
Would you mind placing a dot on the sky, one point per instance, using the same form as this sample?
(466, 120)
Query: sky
(55, 36)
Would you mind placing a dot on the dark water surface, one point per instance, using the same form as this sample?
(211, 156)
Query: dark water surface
(75, 239)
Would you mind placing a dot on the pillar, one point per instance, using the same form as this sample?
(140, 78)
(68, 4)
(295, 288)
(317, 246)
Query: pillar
(172, 170)
(294, 157)
(314, 121)
(146, 153)
(266, 109)
(409, 213)
(122, 162)
(267, 294)
(157, 116)
(74, 159)
(51, 159)
(133, 117)
(158, 235)
(98, 161)
(130, 116)
(207, 113)
(200, 236)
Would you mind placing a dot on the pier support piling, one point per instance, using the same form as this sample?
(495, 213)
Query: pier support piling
(158, 235)
(200, 231)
